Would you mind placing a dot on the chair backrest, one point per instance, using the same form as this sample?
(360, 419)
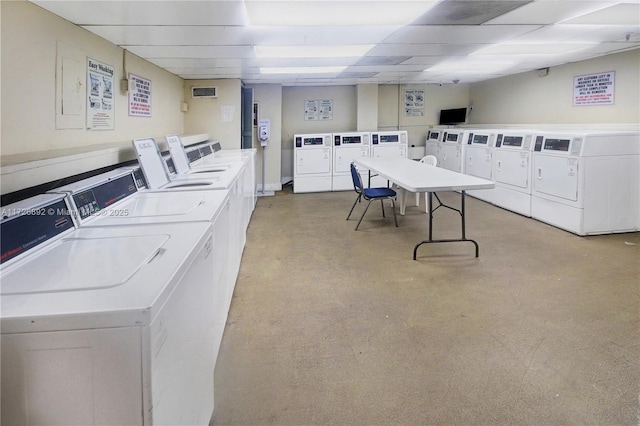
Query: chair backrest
(430, 160)
(355, 176)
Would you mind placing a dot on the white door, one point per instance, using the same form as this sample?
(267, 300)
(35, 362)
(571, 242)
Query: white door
(313, 161)
(511, 168)
(478, 162)
(556, 176)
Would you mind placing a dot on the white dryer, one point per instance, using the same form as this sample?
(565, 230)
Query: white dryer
(479, 160)
(313, 155)
(451, 155)
(94, 325)
(512, 159)
(347, 147)
(587, 183)
(388, 144)
(433, 142)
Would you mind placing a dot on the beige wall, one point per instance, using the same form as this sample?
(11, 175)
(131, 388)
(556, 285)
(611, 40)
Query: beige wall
(391, 107)
(30, 39)
(529, 99)
(206, 115)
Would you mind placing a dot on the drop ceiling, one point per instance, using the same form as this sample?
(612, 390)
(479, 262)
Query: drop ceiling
(401, 42)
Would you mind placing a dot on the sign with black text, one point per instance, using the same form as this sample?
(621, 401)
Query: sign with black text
(139, 96)
(594, 89)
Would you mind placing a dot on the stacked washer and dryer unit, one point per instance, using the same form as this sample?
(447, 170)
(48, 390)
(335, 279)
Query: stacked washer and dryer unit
(322, 161)
(115, 298)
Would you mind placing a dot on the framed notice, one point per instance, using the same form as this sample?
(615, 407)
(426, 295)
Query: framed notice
(594, 89)
(414, 103)
(139, 96)
(100, 104)
(318, 110)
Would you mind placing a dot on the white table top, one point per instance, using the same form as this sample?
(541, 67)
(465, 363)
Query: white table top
(418, 177)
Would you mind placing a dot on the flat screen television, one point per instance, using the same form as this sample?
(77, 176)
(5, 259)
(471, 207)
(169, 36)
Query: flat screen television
(453, 116)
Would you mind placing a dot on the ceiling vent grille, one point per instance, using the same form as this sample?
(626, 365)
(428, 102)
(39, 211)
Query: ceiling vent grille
(201, 92)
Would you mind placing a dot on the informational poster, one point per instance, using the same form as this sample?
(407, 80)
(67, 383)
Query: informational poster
(318, 110)
(414, 103)
(594, 89)
(100, 104)
(139, 96)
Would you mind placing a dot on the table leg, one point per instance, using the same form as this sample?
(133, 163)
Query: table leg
(463, 226)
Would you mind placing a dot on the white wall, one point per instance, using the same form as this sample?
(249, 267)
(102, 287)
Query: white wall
(529, 99)
(206, 115)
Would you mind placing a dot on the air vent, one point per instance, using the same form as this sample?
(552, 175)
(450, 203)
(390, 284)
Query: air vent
(204, 92)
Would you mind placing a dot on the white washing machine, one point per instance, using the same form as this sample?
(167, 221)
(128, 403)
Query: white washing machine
(512, 160)
(113, 199)
(240, 163)
(347, 147)
(238, 221)
(433, 142)
(104, 325)
(388, 144)
(451, 154)
(313, 155)
(158, 177)
(479, 160)
(587, 183)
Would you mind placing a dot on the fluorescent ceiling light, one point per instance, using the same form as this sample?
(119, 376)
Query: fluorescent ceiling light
(533, 48)
(344, 51)
(302, 70)
(470, 67)
(335, 12)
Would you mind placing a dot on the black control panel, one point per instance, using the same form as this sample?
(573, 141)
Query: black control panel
(538, 146)
(32, 227)
(193, 155)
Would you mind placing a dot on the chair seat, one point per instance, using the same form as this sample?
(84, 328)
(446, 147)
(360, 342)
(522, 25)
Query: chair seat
(379, 192)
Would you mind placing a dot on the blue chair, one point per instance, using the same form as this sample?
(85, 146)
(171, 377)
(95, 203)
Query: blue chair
(371, 194)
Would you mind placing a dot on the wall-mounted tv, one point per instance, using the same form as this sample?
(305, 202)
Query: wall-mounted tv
(453, 116)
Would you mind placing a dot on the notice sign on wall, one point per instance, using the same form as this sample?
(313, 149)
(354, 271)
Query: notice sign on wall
(318, 109)
(139, 96)
(100, 105)
(414, 103)
(594, 89)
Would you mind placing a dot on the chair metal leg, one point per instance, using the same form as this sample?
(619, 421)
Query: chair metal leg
(382, 204)
(363, 213)
(354, 205)
(393, 206)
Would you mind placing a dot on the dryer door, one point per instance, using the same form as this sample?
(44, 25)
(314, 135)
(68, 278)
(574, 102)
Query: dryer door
(313, 161)
(556, 176)
(511, 168)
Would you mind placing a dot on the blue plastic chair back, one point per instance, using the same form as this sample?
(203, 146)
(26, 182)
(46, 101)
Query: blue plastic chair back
(356, 178)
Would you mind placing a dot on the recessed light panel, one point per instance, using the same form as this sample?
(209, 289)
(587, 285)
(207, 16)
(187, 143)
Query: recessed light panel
(344, 51)
(335, 12)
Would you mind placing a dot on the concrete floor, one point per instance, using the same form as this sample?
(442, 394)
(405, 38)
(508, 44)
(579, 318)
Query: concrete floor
(334, 326)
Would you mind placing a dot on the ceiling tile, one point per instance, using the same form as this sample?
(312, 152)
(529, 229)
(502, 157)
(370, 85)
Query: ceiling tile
(192, 51)
(458, 33)
(619, 14)
(548, 12)
(466, 12)
(171, 35)
(143, 12)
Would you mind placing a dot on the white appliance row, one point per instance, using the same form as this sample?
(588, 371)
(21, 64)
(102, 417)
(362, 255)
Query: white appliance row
(115, 293)
(582, 182)
(322, 161)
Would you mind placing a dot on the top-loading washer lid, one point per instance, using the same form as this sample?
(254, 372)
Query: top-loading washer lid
(181, 162)
(150, 159)
(77, 264)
